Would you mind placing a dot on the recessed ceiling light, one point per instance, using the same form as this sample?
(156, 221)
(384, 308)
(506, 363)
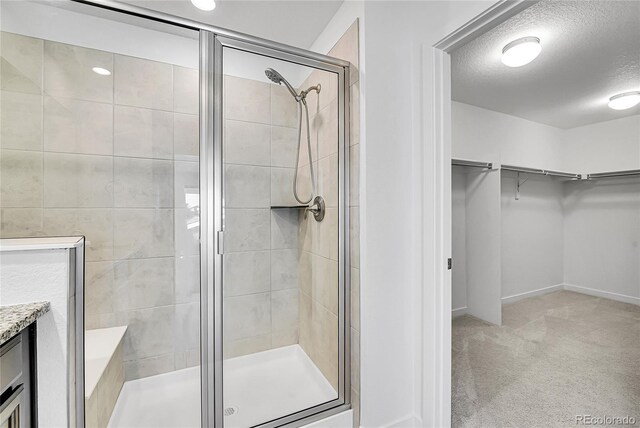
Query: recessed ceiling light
(207, 5)
(521, 51)
(625, 100)
(101, 71)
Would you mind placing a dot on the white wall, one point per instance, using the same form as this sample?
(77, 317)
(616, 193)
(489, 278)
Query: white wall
(560, 231)
(398, 211)
(484, 243)
(602, 238)
(605, 146)
(458, 238)
(480, 134)
(532, 234)
(602, 218)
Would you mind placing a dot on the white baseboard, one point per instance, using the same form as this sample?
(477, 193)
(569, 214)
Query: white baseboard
(606, 294)
(538, 292)
(455, 313)
(410, 421)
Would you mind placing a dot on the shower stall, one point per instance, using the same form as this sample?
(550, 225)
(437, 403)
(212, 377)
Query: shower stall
(208, 171)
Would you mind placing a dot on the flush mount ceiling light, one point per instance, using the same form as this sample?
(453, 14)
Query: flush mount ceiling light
(521, 51)
(101, 71)
(206, 5)
(625, 100)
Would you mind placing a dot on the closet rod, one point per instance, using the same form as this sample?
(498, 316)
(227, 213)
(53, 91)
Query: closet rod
(540, 171)
(613, 174)
(471, 163)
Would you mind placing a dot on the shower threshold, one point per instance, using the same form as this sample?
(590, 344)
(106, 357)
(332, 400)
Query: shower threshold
(257, 388)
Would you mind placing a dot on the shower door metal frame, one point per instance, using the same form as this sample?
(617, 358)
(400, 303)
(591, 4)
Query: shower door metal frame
(212, 40)
(212, 50)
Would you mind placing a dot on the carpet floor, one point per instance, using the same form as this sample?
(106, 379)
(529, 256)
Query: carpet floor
(555, 357)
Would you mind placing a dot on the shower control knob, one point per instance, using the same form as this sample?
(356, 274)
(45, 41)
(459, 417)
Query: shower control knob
(317, 208)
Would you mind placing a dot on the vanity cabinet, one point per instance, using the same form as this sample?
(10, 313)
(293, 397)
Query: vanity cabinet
(18, 380)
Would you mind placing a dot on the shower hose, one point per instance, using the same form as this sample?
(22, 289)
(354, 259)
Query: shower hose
(302, 103)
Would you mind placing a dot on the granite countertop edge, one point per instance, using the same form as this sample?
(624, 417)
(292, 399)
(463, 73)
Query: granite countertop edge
(15, 318)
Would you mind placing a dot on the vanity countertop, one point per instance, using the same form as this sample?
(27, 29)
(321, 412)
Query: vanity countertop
(15, 318)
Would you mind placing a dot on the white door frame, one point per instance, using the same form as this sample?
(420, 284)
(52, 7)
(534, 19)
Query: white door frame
(436, 401)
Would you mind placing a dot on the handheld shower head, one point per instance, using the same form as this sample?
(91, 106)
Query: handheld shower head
(273, 75)
(277, 78)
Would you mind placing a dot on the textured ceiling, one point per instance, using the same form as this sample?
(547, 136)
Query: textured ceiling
(590, 51)
(296, 23)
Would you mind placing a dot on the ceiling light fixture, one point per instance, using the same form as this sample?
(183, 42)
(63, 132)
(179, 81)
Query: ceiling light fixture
(101, 71)
(521, 51)
(625, 100)
(207, 5)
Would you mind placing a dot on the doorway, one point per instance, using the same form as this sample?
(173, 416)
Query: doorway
(544, 209)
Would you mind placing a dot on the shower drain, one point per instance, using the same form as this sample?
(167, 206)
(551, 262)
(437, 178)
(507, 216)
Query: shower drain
(231, 410)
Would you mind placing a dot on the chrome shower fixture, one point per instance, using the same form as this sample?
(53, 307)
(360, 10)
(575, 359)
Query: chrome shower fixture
(301, 99)
(277, 78)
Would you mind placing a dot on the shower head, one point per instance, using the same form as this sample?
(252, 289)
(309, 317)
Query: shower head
(277, 78)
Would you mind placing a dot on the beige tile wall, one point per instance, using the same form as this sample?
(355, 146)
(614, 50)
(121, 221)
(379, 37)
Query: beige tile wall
(318, 241)
(99, 406)
(114, 158)
(89, 154)
(261, 244)
(347, 48)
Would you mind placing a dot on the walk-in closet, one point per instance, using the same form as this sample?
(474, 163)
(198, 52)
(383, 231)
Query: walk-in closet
(545, 216)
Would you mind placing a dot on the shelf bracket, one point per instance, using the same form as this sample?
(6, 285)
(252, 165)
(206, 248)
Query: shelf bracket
(518, 184)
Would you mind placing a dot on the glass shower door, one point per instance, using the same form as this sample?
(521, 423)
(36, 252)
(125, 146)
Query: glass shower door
(100, 138)
(283, 261)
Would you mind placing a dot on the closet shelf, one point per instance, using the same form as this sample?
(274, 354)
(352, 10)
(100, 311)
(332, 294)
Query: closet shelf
(471, 163)
(614, 174)
(550, 173)
(523, 169)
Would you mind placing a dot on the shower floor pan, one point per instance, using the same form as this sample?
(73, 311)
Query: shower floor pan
(258, 388)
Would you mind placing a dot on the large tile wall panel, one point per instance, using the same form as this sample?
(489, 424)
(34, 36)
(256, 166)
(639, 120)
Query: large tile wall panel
(247, 316)
(68, 72)
(261, 257)
(144, 283)
(186, 136)
(247, 273)
(246, 143)
(284, 111)
(318, 241)
(144, 133)
(73, 180)
(121, 171)
(143, 183)
(143, 83)
(143, 233)
(284, 146)
(21, 63)
(247, 100)
(96, 224)
(186, 90)
(21, 178)
(247, 230)
(21, 118)
(347, 48)
(78, 126)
